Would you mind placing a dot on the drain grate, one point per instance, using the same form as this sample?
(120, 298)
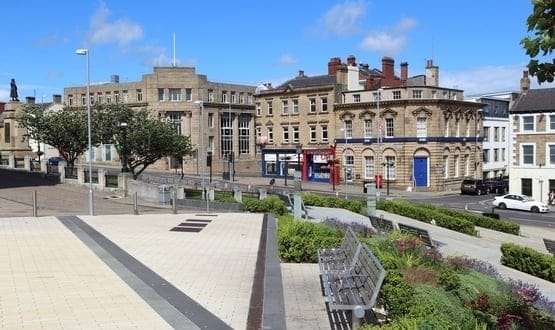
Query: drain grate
(191, 225)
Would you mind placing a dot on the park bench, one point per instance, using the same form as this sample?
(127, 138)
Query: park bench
(351, 278)
(381, 224)
(549, 245)
(418, 232)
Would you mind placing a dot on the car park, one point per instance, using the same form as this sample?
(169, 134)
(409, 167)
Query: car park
(474, 186)
(519, 202)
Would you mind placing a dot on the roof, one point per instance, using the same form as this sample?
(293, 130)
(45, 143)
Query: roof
(535, 100)
(305, 81)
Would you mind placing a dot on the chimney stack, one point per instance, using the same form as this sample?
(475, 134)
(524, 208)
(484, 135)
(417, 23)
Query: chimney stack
(524, 82)
(388, 71)
(333, 64)
(404, 71)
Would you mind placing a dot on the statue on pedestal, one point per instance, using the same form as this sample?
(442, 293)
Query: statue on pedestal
(13, 91)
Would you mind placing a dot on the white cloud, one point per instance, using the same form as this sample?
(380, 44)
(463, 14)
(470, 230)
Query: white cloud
(389, 41)
(4, 95)
(286, 60)
(344, 19)
(103, 31)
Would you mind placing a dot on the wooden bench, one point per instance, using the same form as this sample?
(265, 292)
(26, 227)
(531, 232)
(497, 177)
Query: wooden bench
(351, 278)
(381, 224)
(549, 245)
(418, 232)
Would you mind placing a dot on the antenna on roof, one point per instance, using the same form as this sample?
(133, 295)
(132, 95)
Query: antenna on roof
(174, 65)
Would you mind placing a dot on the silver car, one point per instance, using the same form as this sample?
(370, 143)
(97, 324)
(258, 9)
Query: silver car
(519, 202)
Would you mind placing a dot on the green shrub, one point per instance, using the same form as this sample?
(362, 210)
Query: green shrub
(449, 279)
(528, 260)
(353, 205)
(299, 241)
(396, 295)
(271, 204)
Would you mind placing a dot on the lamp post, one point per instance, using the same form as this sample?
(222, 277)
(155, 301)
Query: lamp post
(388, 164)
(299, 176)
(124, 167)
(380, 128)
(286, 158)
(85, 52)
(476, 134)
(202, 152)
(345, 168)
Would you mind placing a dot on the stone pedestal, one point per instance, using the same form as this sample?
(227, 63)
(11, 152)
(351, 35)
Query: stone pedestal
(13, 139)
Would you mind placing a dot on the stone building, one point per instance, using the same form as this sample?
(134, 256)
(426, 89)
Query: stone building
(372, 123)
(532, 141)
(177, 95)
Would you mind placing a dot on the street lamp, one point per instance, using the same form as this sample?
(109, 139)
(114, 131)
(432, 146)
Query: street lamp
(85, 52)
(299, 150)
(124, 167)
(388, 164)
(380, 128)
(202, 152)
(345, 168)
(476, 134)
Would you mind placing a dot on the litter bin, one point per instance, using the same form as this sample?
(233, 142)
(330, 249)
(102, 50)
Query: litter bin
(163, 194)
(364, 185)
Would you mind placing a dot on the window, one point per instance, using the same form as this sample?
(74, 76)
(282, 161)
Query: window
(417, 94)
(70, 100)
(324, 101)
(249, 98)
(116, 97)
(175, 94)
(244, 134)
(485, 156)
(83, 99)
(486, 133)
(527, 154)
(356, 98)
(160, 95)
(496, 134)
(296, 106)
(296, 134)
(270, 108)
(447, 122)
(313, 137)
(224, 97)
(503, 134)
(369, 167)
(210, 95)
(324, 133)
(390, 172)
(348, 129)
(396, 95)
(457, 127)
(367, 128)
(258, 110)
(434, 95)
(107, 154)
(241, 98)
(312, 102)
(389, 132)
(552, 122)
(125, 97)
(211, 120)
(188, 94)
(502, 154)
(445, 169)
(348, 160)
(466, 165)
(226, 135)
(551, 154)
(99, 97)
(233, 100)
(421, 127)
(270, 135)
(109, 97)
(174, 118)
(528, 123)
(496, 155)
(456, 165)
(285, 135)
(284, 107)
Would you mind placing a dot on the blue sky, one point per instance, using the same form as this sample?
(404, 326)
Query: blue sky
(476, 44)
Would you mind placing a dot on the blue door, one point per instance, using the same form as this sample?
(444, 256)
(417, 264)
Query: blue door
(421, 171)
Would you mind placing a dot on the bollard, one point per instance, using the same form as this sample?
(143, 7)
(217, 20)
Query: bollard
(135, 208)
(174, 204)
(35, 204)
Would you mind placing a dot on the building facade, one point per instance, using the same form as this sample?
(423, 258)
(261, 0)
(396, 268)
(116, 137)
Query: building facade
(404, 132)
(218, 117)
(532, 142)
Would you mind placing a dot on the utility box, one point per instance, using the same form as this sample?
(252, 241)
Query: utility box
(163, 194)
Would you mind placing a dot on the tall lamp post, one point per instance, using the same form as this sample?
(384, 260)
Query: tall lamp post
(380, 128)
(124, 167)
(388, 164)
(202, 153)
(299, 150)
(85, 52)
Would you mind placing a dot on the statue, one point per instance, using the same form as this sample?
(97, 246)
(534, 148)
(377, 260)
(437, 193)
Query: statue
(13, 91)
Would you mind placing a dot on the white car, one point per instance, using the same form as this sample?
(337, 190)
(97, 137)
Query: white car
(519, 202)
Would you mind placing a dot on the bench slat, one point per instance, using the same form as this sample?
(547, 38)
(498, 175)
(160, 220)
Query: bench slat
(418, 232)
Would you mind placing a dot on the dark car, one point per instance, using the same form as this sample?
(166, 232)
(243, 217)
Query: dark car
(474, 186)
(497, 186)
(54, 161)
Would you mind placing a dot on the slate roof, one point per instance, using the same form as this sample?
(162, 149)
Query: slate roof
(303, 82)
(535, 100)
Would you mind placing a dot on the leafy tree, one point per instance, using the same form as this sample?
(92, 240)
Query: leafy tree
(542, 23)
(65, 130)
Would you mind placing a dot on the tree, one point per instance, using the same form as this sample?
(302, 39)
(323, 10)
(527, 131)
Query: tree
(542, 23)
(65, 130)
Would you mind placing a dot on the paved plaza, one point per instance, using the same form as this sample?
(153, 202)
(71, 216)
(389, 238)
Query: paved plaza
(159, 270)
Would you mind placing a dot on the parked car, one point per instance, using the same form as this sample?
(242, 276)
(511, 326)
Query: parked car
(497, 186)
(54, 161)
(519, 202)
(474, 186)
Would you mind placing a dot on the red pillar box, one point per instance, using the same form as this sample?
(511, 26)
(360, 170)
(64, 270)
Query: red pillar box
(335, 174)
(378, 179)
